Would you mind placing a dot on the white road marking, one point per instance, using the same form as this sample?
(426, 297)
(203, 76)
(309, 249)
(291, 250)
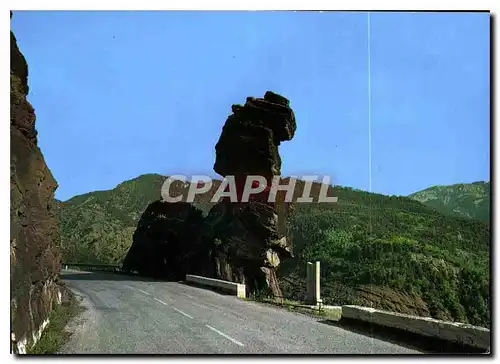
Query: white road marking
(138, 289)
(226, 336)
(185, 314)
(160, 301)
(198, 305)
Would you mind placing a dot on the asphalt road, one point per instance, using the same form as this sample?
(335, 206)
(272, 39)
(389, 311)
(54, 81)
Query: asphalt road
(133, 315)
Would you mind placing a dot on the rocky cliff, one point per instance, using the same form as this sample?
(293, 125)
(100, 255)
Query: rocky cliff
(34, 232)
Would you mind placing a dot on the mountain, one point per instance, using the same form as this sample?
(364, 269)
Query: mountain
(471, 200)
(390, 252)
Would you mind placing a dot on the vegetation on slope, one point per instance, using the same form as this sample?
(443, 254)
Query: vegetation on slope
(471, 200)
(393, 253)
(389, 252)
(97, 227)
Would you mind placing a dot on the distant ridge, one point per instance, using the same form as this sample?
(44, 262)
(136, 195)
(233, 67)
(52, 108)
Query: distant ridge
(470, 200)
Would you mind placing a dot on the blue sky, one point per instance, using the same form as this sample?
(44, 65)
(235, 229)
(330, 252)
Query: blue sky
(119, 94)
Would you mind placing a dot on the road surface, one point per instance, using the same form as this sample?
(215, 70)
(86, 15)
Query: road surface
(134, 315)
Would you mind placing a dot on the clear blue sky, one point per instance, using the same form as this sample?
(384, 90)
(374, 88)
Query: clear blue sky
(119, 94)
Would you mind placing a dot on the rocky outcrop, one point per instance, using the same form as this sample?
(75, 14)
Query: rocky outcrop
(166, 243)
(250, 238)
(248, 246)
(250, 137)
(34, 257)
(242, 242)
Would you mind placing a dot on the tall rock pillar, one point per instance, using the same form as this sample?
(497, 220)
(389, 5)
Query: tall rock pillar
(250, 237)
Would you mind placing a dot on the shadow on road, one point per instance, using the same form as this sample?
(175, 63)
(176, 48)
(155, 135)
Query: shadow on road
(404, 338)
(106, 276)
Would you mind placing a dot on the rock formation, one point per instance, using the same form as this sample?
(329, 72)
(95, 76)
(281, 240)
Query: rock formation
(238, 241)
(34, 232)
(250, 237)
(166, 243)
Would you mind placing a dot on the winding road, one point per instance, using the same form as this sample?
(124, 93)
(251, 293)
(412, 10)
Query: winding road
(135, 315)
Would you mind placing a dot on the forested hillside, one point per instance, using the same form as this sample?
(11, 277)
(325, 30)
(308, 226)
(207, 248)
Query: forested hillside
(470, 200)
(390, 252)
(97, 227)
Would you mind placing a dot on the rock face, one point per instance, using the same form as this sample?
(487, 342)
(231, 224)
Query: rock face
(166, 243)
(250, 238)
(34, 232)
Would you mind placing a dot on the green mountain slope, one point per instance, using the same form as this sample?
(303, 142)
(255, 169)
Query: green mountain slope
(97, 227)
(393, 253)
(390, 252)
(470, 200)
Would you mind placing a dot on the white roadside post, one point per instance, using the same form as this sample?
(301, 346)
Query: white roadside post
(313, 284)
(317, 278)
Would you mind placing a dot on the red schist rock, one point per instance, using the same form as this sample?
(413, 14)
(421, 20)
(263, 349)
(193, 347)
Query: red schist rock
(166, 242)
(251, 237)
(241, 242)
(34, 230)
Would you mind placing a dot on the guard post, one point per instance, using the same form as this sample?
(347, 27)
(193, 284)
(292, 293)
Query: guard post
(313, 284)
